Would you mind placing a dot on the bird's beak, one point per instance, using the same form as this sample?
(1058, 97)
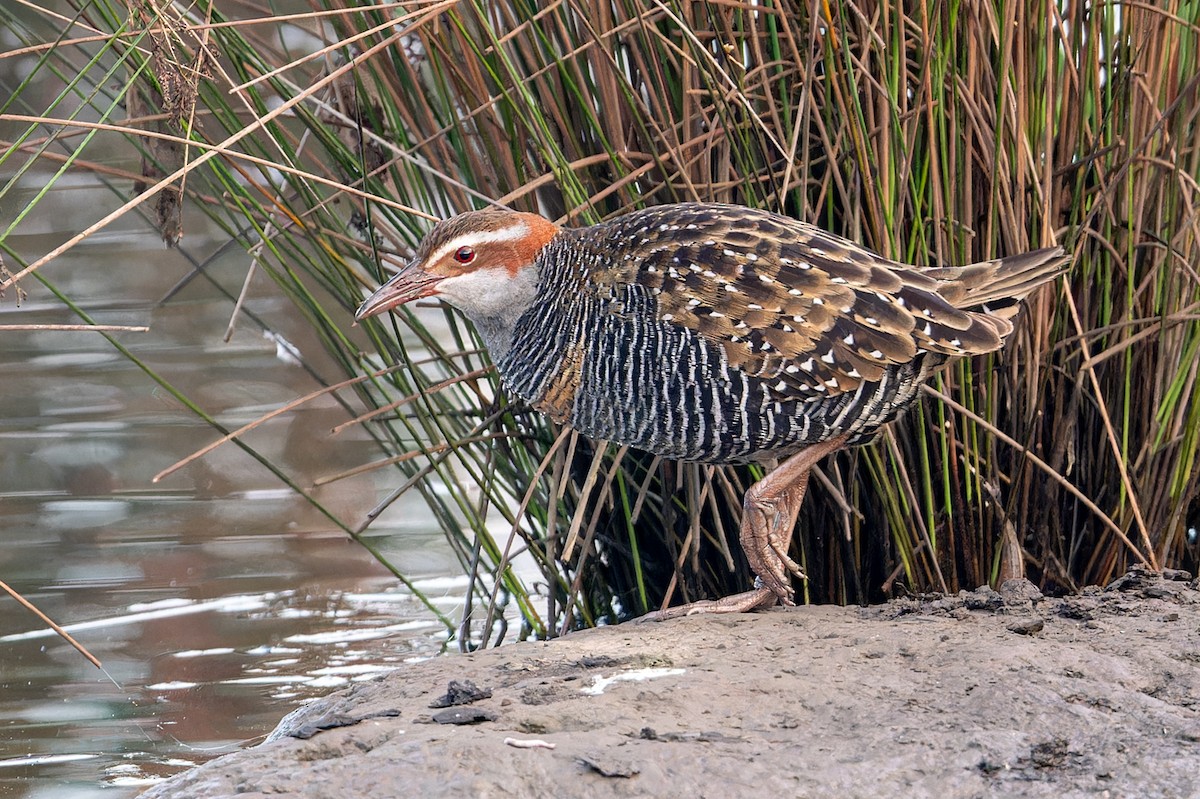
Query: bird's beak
(410, 283)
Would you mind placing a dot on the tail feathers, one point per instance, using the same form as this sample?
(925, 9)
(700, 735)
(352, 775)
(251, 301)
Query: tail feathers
(980, 301)
(997, 287)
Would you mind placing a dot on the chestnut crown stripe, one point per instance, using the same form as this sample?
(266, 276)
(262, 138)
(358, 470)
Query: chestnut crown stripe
(477, 239)
(505, 240)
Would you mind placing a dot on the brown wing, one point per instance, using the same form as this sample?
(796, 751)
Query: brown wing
(787, 301)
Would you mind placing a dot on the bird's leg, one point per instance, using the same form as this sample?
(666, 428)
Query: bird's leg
(769, 513)
(769, 517)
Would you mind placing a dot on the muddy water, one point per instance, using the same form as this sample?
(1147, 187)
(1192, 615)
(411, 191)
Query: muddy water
(217, 600)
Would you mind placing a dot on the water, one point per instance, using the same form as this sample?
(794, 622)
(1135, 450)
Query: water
(217, 599)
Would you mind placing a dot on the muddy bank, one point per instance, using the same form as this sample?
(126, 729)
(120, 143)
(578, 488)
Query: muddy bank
(984, 694)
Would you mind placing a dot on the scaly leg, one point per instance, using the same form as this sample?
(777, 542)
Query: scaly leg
(769, 514)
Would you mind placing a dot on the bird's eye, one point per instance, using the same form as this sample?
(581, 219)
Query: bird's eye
(464, 255)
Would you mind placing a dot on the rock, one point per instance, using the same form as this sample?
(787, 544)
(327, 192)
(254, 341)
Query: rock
(1026, 626)
(458, 715)
(461, 693)
(807, 701)
(1020, 592)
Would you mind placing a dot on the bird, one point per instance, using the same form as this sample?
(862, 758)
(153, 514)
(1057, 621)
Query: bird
(715, 334)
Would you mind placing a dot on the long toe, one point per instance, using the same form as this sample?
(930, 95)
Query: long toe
(736, 603)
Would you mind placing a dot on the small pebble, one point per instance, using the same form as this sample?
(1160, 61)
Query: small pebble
(1026, 626)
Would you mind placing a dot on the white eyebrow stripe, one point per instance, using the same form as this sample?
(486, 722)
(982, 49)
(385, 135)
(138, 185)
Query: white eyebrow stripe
(474, 239)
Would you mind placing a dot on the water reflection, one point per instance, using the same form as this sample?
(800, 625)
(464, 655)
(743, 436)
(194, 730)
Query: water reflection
(217, 600)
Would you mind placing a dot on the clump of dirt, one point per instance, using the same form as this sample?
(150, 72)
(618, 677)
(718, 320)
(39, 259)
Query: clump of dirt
(982, 694)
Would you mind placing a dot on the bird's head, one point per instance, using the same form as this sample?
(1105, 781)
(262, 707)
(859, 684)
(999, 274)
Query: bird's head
(480, 262)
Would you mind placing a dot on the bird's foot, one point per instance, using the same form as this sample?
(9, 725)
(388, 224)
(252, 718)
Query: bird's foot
(737, 603)
(766, 536)
(769, 513)
(776, 565)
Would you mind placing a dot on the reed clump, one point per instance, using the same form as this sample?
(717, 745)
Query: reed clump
(931, 132)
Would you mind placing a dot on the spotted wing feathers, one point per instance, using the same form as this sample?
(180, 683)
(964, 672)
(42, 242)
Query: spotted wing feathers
(818, 314)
